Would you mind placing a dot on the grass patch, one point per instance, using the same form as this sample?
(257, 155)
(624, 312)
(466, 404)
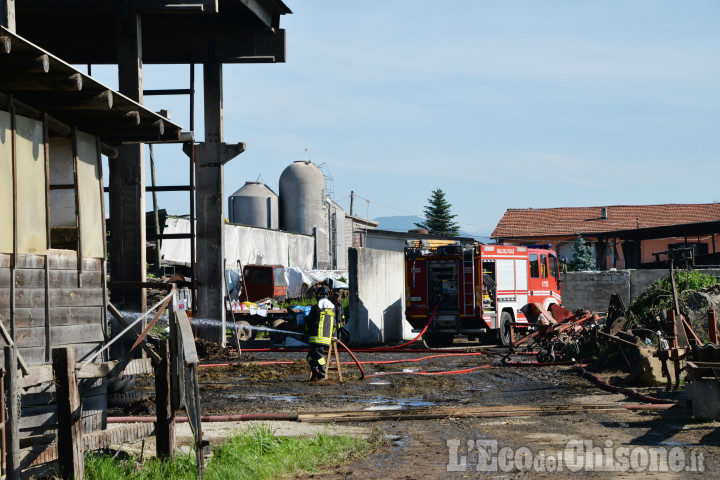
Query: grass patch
(302, 302)
(309, 302)
(255, 454)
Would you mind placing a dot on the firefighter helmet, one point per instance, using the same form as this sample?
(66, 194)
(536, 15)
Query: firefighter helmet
(322, 292)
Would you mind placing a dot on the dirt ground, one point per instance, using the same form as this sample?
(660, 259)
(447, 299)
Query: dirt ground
(645, 444)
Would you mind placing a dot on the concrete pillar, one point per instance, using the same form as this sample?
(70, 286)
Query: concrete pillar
(377, 291)
(210, 157)
(127, 178)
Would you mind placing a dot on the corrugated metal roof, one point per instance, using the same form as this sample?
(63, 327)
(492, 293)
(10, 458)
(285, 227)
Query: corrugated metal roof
(172, 31)
(38, 79)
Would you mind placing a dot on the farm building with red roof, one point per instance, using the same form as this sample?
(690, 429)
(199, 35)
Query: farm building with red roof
(623, 236)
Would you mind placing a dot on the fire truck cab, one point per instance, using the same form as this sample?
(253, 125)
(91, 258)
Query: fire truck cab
(477, 290)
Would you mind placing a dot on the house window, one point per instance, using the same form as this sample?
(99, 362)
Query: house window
(534, 266)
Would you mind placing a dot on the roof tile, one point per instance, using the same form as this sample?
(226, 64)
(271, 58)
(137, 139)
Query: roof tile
(544, 222)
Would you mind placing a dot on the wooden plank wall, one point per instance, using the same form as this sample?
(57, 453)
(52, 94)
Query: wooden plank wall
(76, 306)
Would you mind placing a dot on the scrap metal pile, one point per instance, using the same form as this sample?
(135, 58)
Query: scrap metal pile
(649, 355)
(653, 354)
(558, 333)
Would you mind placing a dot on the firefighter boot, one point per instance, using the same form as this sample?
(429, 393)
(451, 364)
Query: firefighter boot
(321, 370)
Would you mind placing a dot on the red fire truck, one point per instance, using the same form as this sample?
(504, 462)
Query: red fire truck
(477, 290)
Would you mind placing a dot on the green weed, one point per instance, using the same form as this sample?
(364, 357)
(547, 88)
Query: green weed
(658, 296)
(255, 454)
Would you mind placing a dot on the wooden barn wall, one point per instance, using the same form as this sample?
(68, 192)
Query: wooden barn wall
(49, 297)
(75, 320)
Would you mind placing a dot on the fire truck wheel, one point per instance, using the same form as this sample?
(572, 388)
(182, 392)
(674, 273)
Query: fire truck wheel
(438, 339)
(505, 326)
(245, 331)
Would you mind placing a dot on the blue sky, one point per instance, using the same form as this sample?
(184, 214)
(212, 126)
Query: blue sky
(502, 104)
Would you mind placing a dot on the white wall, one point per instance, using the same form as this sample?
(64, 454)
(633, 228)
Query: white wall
(250, 245)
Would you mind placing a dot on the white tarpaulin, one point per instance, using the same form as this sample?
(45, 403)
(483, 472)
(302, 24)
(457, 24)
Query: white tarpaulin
(249, 245)
(31, 235)
(89, 185)
(297, 280)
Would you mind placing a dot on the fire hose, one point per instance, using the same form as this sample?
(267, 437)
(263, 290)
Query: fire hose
(368, 362)
(625, 391)
(362, 372)
(419, 334)
(389, 349)
(290, 417)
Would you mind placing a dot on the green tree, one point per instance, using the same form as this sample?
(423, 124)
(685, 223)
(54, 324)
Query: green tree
(582, 256)
(438, 219)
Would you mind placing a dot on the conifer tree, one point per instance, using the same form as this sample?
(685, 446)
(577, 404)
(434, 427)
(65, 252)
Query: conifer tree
(438, 219)
(582, 256)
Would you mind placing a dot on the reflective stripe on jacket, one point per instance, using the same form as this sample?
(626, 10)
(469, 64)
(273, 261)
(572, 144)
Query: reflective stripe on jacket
(321, 325)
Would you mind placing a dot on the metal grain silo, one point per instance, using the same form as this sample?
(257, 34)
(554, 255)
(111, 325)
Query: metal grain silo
(302, 198)
(255, 205)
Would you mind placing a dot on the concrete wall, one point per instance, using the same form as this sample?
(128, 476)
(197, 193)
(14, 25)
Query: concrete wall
(377, 280)
(592, 290)
(641, 280)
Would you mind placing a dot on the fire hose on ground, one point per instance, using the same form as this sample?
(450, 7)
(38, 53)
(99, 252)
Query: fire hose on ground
(625, 391)
(601, 383)
(362, 371)
(357, 362)
(362, 362)
(289, 417)
(358, 416)
(432, 315)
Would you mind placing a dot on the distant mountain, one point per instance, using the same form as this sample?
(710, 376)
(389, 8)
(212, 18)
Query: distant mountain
(403, 223)
(477, 236)
(398, 223)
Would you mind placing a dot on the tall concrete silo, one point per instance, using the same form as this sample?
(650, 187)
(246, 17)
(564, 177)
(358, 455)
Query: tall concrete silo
(302, 198)
(255, 205)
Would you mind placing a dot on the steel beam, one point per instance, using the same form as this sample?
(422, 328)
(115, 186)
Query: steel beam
(127, 179)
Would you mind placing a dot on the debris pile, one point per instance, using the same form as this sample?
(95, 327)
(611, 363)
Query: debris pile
(559, 333)
(212, 351)
(668, 330)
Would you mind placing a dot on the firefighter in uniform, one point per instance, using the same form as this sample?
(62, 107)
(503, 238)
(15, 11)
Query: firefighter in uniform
(320, 326)
(340, 332)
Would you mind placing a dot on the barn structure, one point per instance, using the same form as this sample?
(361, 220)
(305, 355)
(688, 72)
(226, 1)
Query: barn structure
(55, 124)
(133, 33)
